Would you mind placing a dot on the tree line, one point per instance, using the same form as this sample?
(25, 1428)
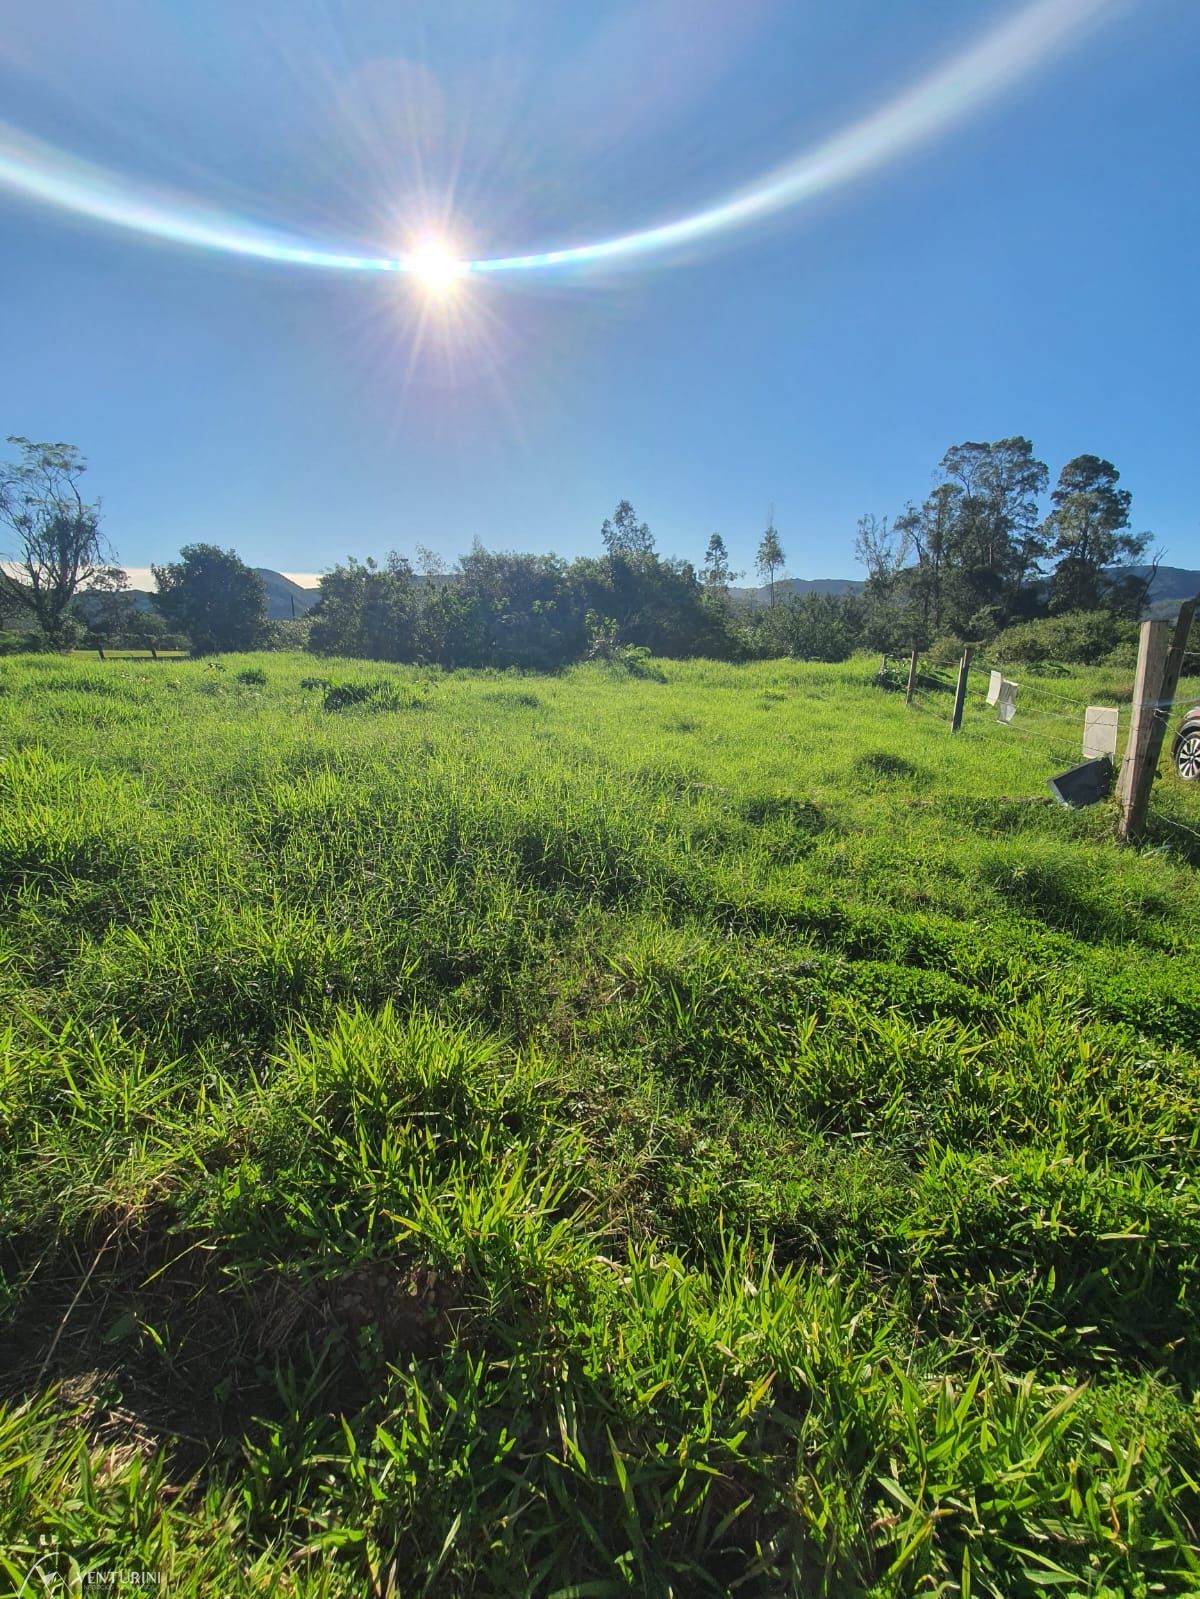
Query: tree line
(974, 558)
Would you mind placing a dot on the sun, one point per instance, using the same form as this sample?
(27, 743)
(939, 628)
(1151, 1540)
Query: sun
(434, 264)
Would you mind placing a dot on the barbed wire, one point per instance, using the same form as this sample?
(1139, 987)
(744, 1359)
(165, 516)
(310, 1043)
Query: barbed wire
(1172, 821)
(1023, 718)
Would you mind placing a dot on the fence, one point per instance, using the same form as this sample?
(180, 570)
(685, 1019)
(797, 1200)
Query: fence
(1162, 651)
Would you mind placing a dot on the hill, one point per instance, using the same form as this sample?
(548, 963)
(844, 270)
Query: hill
(1171, 586)
(284, 597)
(786, 586)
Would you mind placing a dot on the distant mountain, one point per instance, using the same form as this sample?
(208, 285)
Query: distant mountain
(1171, 586)
(796, 585)
(282, 594)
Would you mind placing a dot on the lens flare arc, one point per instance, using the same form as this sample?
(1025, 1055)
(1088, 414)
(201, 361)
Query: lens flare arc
(38, 171)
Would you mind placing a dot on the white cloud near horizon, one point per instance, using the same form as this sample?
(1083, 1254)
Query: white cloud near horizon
(142, 577)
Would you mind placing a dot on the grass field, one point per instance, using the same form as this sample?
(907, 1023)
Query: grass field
(707, 1133)
(129, 655)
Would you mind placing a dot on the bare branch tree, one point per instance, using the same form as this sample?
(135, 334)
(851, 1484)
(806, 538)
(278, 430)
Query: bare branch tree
(58, 546)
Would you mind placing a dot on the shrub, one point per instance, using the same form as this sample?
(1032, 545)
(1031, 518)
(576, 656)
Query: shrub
(23, 643)
(378, 696)
(1079, 638)
(944, 651)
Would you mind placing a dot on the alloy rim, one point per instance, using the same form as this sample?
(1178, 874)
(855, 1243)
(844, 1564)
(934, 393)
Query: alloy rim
(1188, 759)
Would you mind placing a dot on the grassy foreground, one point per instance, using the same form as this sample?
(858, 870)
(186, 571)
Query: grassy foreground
(480, 1135)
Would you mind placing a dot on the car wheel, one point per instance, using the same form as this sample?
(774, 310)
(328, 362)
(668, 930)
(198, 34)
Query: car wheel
(1187, 756)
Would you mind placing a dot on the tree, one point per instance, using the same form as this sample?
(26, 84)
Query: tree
(657, 605)
(214, 597)
(812, 627)
(623, 534)
(718, 574)
(430, 564)
(890, 621)
(931, 532)
(527, 610)
(58, 545)
(770, 556)
(1086, 530)
(995, 540)
(367, 612)
(108, 607)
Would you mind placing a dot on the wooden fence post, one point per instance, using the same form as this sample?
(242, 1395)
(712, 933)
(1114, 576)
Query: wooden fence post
(1146, 718)
(912, 678)
(1159, 669)
(1175, 659)
(960, 693)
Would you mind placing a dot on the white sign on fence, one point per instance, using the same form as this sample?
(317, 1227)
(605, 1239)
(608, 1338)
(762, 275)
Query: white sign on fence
(1099, 732)
(994, 683)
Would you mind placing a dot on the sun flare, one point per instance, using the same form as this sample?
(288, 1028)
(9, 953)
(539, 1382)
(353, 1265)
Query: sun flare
(435, 265)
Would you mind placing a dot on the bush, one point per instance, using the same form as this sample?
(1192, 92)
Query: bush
(945, 651)
(23, 643)
(1078, 638)
(634, 660)
(812, 627)
(288, 635)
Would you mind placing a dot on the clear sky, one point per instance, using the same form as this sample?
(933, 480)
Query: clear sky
(1025, 261)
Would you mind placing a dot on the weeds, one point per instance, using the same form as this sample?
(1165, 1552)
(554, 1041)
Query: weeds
(667, 1129)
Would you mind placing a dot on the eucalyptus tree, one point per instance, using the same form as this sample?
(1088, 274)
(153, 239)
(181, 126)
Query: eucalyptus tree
(770, 557)
(1088, 531)
(717, 572)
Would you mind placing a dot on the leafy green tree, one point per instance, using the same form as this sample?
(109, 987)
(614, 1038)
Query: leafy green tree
(56, 546)
(367, 612)
(930, 532)
(718, 574)
(108, 608)
(148, 627)
(812, 627)
(1087, 531)
(995, 540)
(527, 611)
(657, 605)
(769, 558)
(623, 534)
(213, 597)
(448, 625)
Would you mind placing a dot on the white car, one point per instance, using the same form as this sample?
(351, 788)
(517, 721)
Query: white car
(1185, 751)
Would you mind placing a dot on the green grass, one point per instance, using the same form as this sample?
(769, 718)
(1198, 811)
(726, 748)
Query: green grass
(129, 655)
(575, 1136)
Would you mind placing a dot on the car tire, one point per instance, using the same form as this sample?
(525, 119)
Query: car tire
(1187, 755)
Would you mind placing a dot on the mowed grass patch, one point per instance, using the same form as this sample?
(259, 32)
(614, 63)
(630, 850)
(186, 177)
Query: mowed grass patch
(706, 1132)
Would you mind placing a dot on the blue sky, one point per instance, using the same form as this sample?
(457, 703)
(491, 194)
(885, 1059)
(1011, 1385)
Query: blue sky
(1030, 268)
